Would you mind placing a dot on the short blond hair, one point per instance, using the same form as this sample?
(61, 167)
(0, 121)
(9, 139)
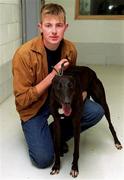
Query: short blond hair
(52, 9)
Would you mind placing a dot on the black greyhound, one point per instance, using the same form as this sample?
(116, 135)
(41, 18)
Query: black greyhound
(66, 93)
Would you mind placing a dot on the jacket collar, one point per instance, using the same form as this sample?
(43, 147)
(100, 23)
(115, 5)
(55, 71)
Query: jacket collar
(37, 45)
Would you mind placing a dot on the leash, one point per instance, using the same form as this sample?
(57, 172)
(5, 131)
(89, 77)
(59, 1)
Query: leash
(60, 72)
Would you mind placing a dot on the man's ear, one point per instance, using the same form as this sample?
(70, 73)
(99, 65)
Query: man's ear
(66, 26)
(39, 27)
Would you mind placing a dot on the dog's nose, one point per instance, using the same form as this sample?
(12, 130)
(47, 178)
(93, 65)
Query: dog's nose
(67, 101)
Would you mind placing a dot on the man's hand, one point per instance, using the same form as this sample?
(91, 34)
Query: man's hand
(58, 66)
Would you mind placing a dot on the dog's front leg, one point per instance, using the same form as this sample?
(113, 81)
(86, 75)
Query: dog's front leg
(74, 170)
(57, 133)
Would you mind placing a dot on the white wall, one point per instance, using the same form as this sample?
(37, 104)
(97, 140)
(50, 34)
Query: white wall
(97, 41)
(10, 39)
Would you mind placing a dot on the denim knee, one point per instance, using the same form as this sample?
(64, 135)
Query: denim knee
(92, 114)
(42, 160)
(99, 112)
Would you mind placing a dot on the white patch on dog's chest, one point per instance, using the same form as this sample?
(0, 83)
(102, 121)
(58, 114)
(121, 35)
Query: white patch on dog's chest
(60, 111)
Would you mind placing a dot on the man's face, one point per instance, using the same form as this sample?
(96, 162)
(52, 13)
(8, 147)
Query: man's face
(53, 28)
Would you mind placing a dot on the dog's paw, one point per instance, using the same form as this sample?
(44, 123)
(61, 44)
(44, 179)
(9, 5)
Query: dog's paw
(55, 169)
(74, 173)
(118, 146)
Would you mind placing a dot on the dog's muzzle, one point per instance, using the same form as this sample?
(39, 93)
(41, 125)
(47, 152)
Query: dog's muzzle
(66, 109)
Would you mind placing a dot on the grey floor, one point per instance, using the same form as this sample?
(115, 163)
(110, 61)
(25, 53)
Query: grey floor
(99, 159)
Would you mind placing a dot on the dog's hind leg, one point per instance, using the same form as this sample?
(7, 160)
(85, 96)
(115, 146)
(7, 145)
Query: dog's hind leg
(98, 94)
(111, 127)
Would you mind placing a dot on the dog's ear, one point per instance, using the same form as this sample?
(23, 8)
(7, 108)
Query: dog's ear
(55, 79)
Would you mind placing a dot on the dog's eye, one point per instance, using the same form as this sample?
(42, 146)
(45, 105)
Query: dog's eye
(59, 86)
(70, 85)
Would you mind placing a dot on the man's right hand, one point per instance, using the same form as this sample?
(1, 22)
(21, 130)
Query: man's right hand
(58, 66)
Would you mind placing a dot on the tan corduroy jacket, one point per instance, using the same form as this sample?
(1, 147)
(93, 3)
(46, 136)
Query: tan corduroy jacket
(29, 67)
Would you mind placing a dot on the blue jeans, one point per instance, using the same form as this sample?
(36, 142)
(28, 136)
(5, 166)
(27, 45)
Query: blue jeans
(38, 135)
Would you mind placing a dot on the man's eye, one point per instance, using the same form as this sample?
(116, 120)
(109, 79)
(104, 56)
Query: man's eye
(48, 25)
(59, 25)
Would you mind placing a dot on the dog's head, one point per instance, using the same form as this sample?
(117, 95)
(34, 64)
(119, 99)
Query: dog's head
(64, 88)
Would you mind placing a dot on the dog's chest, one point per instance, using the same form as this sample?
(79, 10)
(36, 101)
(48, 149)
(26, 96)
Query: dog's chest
(60, 111)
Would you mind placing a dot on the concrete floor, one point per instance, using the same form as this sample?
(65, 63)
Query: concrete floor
(99, 159)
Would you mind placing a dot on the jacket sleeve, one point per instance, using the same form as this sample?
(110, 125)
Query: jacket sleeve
(24, 91)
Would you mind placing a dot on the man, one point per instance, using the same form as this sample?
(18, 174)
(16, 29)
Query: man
(32, 77)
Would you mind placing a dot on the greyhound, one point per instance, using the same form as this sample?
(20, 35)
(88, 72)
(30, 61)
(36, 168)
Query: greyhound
(66, 93)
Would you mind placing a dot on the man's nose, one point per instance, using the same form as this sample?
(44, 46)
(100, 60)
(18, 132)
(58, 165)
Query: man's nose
(54, 30)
